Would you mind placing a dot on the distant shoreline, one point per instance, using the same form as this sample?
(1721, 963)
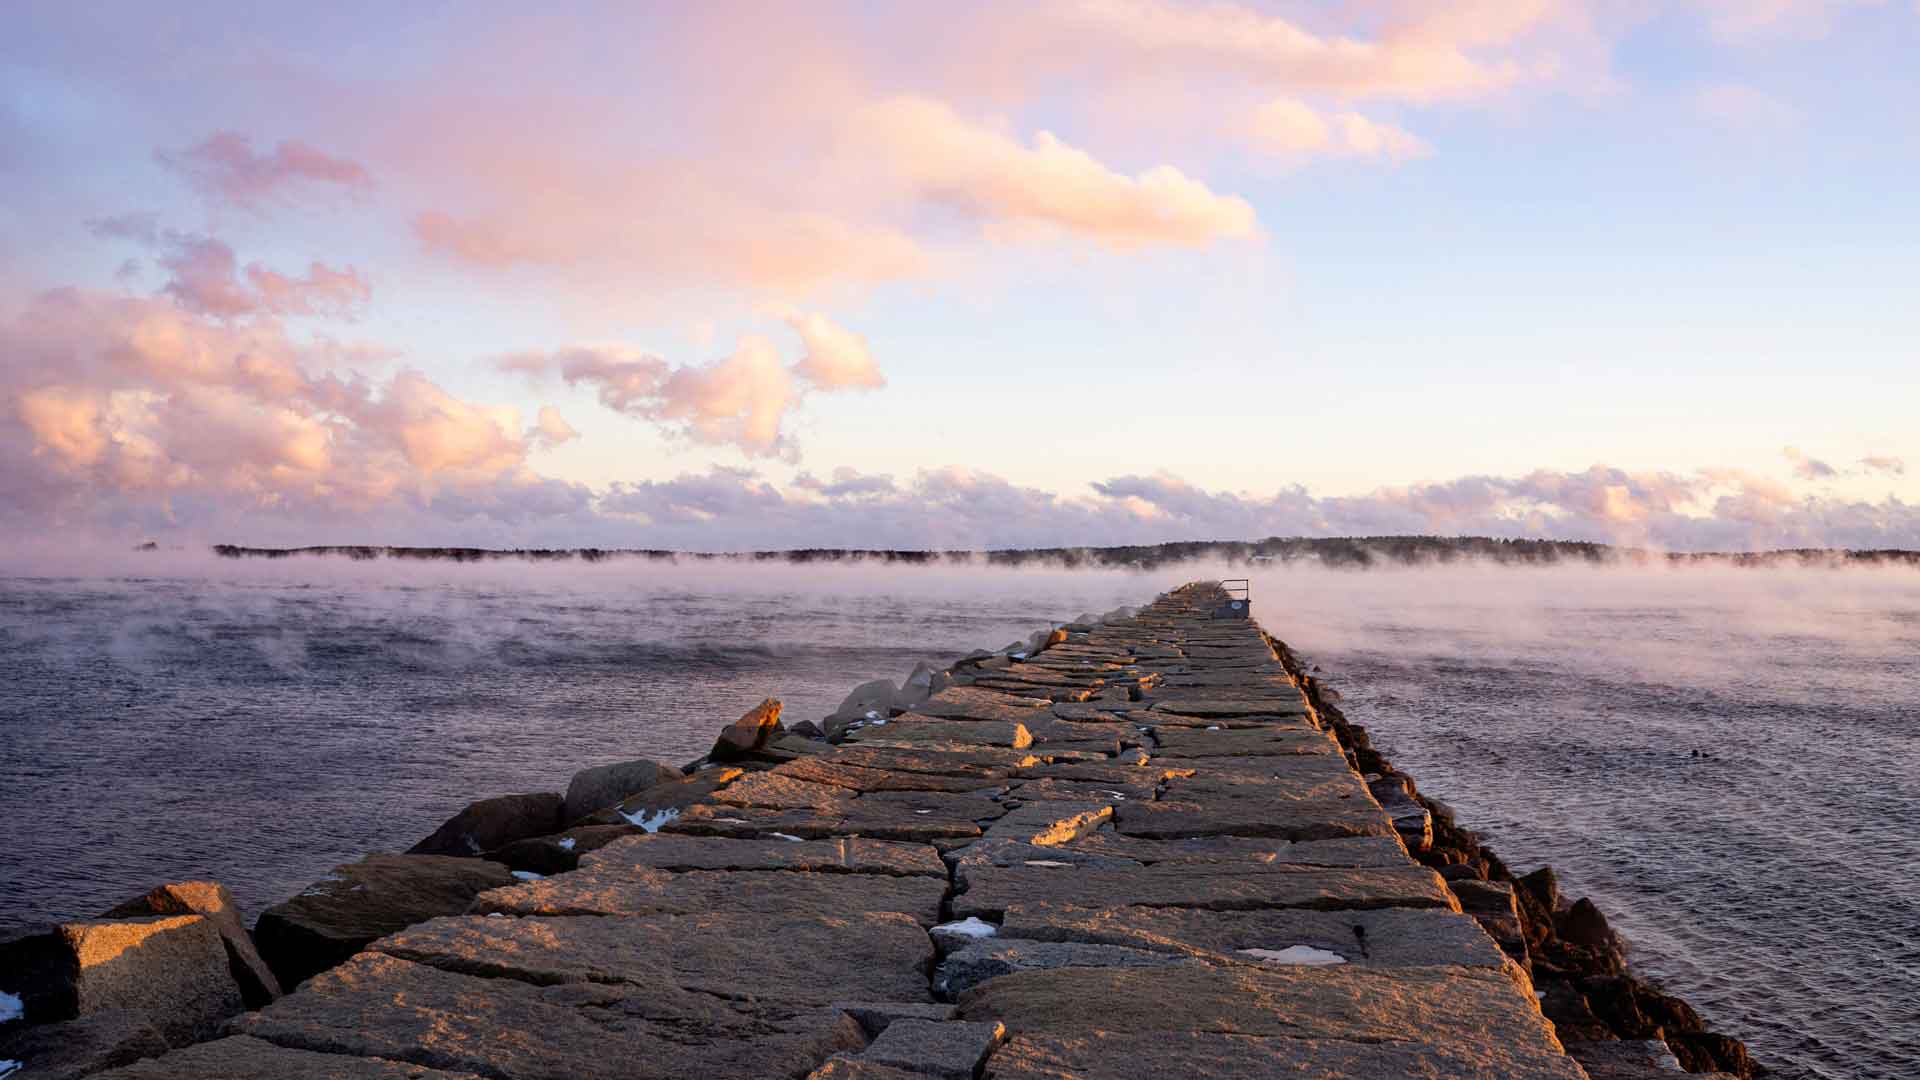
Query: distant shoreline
(1345, 552)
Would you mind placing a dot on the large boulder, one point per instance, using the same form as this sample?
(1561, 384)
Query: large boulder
(172, 968)
(560, 853)
(760, 726)
(663, 802)
(76, 1048)
(493, 823)
(339, 915)
(211, 899)
(603, 785)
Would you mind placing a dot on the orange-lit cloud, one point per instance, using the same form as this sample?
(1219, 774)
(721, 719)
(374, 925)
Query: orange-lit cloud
(741, 400)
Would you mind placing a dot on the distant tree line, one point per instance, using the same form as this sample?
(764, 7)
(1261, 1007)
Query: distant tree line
(1357, 552)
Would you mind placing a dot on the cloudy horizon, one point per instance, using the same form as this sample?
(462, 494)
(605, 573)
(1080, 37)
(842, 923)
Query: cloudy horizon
(1076, 274)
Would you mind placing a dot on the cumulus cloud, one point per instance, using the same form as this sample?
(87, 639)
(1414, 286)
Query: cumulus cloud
(551, 429)
(991, 176)
(1290, 128)
(204, 276)
(741, 400)
(111, 404)
(226, 168)
(1890, 466)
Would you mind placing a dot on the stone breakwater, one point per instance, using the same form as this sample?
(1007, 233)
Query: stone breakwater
(1142, 846)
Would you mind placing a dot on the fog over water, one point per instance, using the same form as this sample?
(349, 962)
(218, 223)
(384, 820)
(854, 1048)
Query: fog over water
(258, 722)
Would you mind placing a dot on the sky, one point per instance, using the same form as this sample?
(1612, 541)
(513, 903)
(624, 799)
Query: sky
(909, 275)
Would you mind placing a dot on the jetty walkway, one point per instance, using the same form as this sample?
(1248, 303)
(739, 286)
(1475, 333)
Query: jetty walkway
(1137, 852)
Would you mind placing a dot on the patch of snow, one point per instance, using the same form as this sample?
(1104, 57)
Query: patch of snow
(1213, 727)
(1303, 955)
(11, 1007)
(873, 714)
(923, 811)
(789, 836)
(1046, 862)
(8, 1068)
(879, 721)
(650, 822)
(528, 875)
(566, 843)
(971, 926)
(496, 915)
(731, 820)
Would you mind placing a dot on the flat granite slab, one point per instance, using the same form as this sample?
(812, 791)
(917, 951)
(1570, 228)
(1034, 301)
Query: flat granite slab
(385, 1007)
(637, 890)
(990, 889)
(1345, 1019)
(791, 957)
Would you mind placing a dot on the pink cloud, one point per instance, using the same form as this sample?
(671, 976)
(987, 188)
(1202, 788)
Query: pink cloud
(1291, 128)
(741, 400)
(204, 278)
(990, 176)
(225, 167)
(112, 401)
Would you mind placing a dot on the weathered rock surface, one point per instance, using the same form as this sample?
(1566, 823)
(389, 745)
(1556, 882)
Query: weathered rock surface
(992, 889)
(492, 823)
(989, 958)
(790, 957)
(1206, 1055)
(172, 969)
(953, 1050)
(760, 726)
(1435, 1013)
(242, 1057)
(82, 1047)
(211, 899)
(382, 1006)
(610, 890)
(1384, 937)
(342, 913)
(560, 852)
(851, 855)
(604, 785)
(658, 804)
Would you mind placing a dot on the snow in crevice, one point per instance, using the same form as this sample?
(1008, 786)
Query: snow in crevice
(8, 1068)
(971, 926)
(566, 843)
(1301, 955)
(528, 875)
(788, 836)
(11, 1008)
(650, 820)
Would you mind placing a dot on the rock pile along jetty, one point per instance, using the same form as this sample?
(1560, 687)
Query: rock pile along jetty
(1145, 846)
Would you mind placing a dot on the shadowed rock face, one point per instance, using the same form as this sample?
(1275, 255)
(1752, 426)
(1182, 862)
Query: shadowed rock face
(170, 969)
(241, 1057)
(211, 899)
(84, 1046)
(359, 902)
(602, 786)
(492, 823)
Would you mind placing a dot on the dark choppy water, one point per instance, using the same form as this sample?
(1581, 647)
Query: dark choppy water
(261, 727)
(1773, 883)
(260, 723)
